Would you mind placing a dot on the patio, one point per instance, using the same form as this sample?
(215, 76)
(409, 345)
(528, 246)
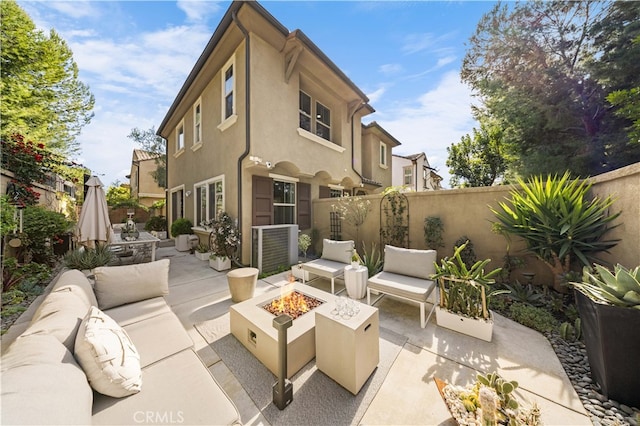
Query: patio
(407, 393)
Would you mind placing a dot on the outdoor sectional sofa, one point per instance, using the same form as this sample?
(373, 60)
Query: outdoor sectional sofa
(117, 335)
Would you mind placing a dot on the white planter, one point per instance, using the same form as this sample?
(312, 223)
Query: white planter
(479, 328)
(202, 256)
(220, 263)
(184, 242)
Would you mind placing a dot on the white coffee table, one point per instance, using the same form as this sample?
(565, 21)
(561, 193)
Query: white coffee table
(348, 350)
(355, 280)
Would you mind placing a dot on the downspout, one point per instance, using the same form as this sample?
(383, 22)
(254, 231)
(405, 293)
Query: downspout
(247, 121)
(353, 153)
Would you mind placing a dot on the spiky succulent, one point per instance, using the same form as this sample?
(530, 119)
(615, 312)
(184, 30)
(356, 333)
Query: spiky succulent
(618, 288)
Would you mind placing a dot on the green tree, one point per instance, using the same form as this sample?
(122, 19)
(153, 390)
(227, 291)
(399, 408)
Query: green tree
(529, 62)
(118, 195)
(156, 145)
(42, 97)
(477, 161)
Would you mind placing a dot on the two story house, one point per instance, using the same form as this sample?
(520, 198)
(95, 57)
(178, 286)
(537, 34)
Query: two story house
(414, 173)
(264, 124)
(143, 187)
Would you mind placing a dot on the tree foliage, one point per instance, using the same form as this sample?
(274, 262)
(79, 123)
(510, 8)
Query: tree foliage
(42, 96)
(156, 145)
(477, 161)
(532, 65)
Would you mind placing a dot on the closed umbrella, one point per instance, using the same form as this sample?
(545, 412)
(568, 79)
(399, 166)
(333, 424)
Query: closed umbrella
(94, 225)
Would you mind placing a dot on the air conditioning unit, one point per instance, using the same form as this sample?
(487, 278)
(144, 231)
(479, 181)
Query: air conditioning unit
(273, 247)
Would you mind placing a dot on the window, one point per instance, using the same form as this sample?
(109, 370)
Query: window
(284, 202)
(209, 199)
(197, 123)
(408, 175)
(335, 193)
(383, 154)
(228, 90)
(319, 122)
(180, 138)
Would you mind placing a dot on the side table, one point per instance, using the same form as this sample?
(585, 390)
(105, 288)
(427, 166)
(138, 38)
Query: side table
(348, 350)
(355, 280)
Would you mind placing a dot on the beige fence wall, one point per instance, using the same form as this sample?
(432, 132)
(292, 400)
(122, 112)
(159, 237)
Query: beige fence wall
(466, 212)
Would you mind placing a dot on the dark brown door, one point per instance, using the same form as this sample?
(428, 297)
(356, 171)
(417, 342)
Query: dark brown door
(304, 205)
(262, 201)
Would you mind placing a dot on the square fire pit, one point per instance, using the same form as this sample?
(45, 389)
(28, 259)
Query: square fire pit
(251, 324)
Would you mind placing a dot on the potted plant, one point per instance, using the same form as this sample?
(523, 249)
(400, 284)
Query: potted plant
(181, 231)
(157, 226)
(202, 251)
(86, 259)
(225, 239)
(464, 296)
(304, 242)
(609, 307)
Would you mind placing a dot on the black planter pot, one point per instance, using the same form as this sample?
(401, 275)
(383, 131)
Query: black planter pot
(612, 338)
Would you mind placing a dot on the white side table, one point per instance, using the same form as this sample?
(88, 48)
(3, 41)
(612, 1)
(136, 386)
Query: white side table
(348, 350)
(355, 280)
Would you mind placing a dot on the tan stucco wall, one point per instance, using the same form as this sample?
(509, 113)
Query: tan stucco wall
(466, 212)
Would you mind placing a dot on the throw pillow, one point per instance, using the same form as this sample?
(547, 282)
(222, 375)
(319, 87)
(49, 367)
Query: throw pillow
(338, 251)
(118, 285)
(107, 356)
(410, 262)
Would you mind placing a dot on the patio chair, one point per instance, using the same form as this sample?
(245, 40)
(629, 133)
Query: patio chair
(336, 255)
(406, 275)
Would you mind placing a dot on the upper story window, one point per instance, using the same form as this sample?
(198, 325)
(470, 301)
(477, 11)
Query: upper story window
(209, 199)
(180, 137)
(316, 120)
(229, 87)
(197, 123)
(383, 154)
(407, 175)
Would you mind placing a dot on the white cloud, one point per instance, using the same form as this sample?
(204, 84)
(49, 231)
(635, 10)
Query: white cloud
(417, 42)
(74, 9)
(445, 61)
(434, 121)
(376, 95)
(390, 69)
(198, 11)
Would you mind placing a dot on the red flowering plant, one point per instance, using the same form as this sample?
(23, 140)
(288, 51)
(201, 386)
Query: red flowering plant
(30, 163)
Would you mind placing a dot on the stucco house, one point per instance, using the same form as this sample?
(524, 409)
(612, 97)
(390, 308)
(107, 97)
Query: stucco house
(414, 173)
(264, 124)
(143, 187)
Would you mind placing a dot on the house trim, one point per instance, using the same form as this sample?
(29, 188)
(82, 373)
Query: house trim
(317, 139)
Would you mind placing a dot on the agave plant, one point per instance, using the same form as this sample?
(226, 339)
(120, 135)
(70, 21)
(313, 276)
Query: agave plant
(620, 288)
(558, 221)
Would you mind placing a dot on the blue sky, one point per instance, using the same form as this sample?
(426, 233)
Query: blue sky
(135, 56)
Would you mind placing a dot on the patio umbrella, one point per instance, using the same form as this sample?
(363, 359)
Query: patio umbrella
(94, 225)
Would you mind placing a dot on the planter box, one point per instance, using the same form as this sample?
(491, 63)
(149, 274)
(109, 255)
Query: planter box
(202, 256)
(612, 339)
(220, 263)
(479, 328)
(185, 242)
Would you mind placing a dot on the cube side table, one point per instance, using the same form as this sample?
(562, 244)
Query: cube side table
(348, 350)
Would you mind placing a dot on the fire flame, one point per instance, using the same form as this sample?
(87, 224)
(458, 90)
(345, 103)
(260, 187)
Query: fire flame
(293, 302)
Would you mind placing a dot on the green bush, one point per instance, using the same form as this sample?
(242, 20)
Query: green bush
(41, 231)
(88, 258)
(23, 277)
(181, 226)
(156, 223)
(532, 317)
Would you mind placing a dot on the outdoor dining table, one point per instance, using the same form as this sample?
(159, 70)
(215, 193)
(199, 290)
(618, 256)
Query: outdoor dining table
(143, 240)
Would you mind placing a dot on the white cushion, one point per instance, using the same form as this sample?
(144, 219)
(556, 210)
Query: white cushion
(411, 262)
(107, 356)
(338, 251)
(118, 285)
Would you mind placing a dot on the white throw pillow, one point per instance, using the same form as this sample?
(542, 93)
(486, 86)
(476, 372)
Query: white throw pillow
(107, 355)
(338, 251)
(410, 262)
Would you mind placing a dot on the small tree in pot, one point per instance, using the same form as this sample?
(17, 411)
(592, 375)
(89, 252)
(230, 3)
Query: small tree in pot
(223, 242)
(180, 230)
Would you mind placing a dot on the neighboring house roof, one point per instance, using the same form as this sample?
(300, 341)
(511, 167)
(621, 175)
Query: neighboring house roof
(411, 157)
(375, 126)
(224, 25)
(141, 155)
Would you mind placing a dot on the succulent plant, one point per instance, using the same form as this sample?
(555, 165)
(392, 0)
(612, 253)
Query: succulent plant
(618, 288)
(502, 387)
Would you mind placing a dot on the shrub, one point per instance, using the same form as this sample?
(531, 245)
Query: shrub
(25, 277)
(433, 229)
(181, 226)
(88, 258)
(42, 229)
(157, 223)
(532, 317)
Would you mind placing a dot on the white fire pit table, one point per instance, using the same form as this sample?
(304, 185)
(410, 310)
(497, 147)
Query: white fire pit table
(252, 325)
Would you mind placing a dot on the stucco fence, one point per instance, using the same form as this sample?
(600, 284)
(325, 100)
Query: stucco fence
(466, 212)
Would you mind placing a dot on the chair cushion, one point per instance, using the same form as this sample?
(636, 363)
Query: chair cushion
(325, 268)
(338, 251)
(402, 285)
(107, 356)
(411, 262)
(118, 285)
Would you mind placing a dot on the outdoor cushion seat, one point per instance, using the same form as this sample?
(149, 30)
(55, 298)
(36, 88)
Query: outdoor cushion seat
(405, 275)
(336, 255)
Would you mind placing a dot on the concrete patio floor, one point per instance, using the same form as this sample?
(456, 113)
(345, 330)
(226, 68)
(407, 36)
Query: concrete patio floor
(408, 395)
